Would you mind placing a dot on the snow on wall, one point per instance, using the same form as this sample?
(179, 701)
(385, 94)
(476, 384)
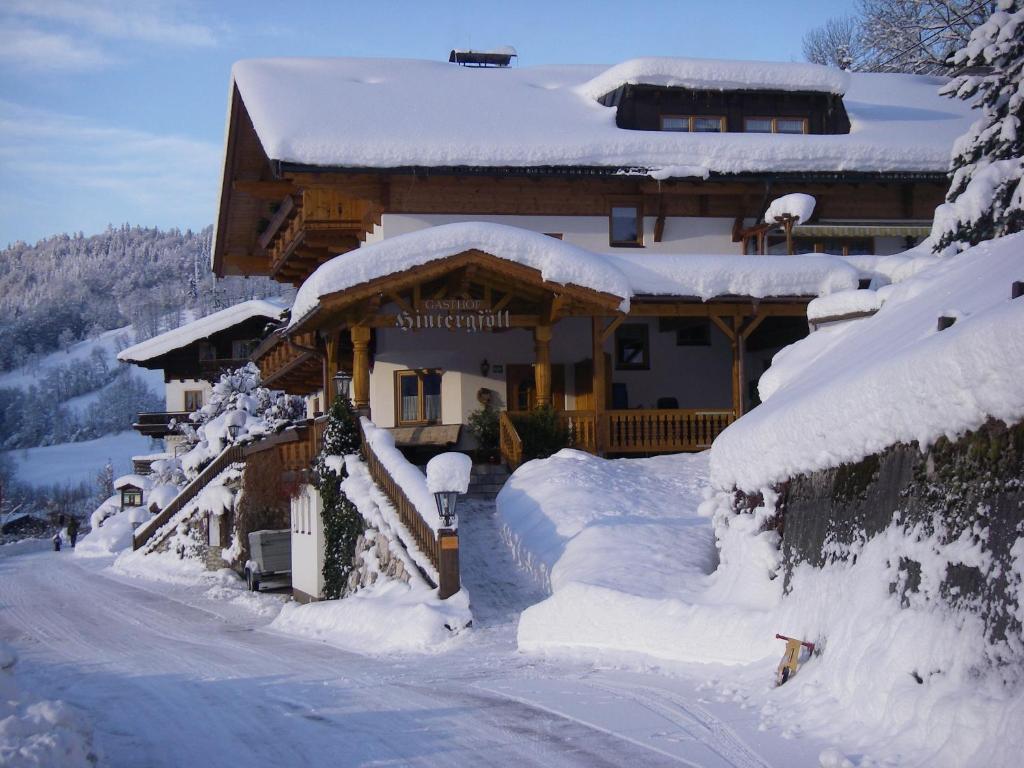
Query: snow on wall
(718, 75)
(849, 391)
(201, 329)
(356, 113)
(622, 275)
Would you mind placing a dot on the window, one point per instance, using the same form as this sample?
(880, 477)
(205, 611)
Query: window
(242, 348)
(775, 124)
(131, 497)
(693, 123)
(632, 348)
(207, 351)
(419, 397)
(625, 225)
(193, 399)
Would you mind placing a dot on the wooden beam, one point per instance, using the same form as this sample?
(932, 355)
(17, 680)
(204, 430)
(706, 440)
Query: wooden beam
(607, 332)
(727, 330)
(598, 385)
(284, 210)
(264, 190)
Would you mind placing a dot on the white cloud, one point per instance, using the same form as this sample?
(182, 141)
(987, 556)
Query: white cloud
(73, 174)
(31, 48)
(139, 20)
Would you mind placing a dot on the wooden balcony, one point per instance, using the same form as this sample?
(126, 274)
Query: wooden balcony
(296, 367)
(311, 227)
(626, 432)
(158, 423)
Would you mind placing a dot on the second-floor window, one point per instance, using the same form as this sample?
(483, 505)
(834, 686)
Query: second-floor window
(242, 348)
(625, 225)
(693, 123)
(193, 399)
(775, 124)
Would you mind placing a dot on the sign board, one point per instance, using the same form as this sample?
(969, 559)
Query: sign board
(469, 315)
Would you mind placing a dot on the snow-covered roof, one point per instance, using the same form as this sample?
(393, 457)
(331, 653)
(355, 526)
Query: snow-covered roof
(621, 275)
(718, 75)
(386, 113)
(132, 481)
(202, 328)
(851, 390)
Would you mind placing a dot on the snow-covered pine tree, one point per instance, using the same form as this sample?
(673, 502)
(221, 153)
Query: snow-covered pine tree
(105, 483)
(986, 192)
(342, 522)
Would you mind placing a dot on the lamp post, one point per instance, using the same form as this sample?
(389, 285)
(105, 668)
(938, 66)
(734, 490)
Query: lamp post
(448, 476)
(446, 501)
(343, 385)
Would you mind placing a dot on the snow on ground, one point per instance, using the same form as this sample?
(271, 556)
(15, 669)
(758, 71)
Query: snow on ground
(73, 463)
(37, 732)
(107, 343)
(848, 391)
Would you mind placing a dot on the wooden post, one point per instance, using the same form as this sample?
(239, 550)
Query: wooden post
(330, 368)
(360, 367)
(598, 385)
(737, 367)
(448, 567)
(542, 366)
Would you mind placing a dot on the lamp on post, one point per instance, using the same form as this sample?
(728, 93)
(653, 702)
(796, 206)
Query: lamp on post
(233, 430)
(343, 385)
(447, 476)
(446, 501)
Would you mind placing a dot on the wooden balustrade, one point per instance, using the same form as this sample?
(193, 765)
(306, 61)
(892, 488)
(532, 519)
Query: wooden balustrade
(582, 429)
(656, 431)
(423, 535)
(510, 442)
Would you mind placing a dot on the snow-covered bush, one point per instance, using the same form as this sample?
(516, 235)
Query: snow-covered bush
(986, 196)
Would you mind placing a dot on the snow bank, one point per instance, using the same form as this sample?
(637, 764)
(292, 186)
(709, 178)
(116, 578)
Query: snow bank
(355, 113)
(797, 204)
(39, 732)
(844, 303)
(846, 392)
(407, 475)
(111, 530)
(387, 617)
(626, 557)
(621, 275)
(718, 75)
(201, 329)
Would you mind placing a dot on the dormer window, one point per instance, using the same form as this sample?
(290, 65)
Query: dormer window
(775, 124)
(693, 123)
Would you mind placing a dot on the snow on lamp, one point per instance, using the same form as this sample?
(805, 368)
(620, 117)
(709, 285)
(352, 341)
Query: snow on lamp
(447, 477)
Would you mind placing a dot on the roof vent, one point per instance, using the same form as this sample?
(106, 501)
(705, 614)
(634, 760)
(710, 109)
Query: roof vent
(499, 57)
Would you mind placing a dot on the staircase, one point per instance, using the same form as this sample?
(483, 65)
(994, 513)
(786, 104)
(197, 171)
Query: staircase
(486, 480)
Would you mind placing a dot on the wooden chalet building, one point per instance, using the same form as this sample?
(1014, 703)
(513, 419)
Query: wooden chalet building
(194, 356)
(591, 239)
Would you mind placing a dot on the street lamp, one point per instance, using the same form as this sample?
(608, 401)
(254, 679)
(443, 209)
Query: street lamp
(446, 501)
(447, 477)
(343, 385)
(233, 430)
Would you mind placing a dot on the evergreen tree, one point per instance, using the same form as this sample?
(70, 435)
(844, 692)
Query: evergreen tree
(986, 193)
(342, 522)
(105, 483)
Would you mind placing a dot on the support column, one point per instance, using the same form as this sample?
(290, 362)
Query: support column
(598, 384)
(331, 363)
(542, 366)
(360, 367)
(448, 568)
(737, 367)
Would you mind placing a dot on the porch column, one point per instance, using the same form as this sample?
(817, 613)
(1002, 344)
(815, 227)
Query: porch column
(732, 332)
(542, 366)
(598, 384)
(360, 367)
(330, 368)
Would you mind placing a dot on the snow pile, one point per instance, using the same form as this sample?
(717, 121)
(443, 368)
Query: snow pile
(718, 75)
(355, 113)
(626, 558)
(202, 328)
(39, 733)
(797, 205)
(449, 472)
(408, 476)
(388, 616)
(620, 275)
(844, 303)
(848, 391)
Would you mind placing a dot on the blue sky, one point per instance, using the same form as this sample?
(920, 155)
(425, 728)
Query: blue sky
(112, 111)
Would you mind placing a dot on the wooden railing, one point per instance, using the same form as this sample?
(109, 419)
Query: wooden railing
(423, 535)
(509, 441)
(227, 457)
(582, 429)
(655, 431)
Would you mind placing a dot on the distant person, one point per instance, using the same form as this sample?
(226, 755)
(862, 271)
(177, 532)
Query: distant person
(56, 542)
(73, 530)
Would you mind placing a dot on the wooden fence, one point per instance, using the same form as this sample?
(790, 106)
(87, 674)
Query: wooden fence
(510, 442)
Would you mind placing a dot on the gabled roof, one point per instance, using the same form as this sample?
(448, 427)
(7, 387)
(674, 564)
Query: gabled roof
(202, 328)
(392, 113)
(619, 276)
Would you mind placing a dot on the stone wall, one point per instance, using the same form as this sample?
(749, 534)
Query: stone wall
(972, 487)
(375, 559)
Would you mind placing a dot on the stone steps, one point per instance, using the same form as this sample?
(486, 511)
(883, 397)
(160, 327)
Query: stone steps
(486, 480)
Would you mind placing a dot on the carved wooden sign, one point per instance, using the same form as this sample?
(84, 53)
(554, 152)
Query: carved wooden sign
(469, 315)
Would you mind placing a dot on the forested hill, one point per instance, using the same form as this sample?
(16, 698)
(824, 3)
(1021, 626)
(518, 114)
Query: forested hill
(71, 287)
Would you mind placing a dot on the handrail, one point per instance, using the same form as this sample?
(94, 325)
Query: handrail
(230, 455)
(655, 431)
(582, 429)
(423, 534)
(510, 442)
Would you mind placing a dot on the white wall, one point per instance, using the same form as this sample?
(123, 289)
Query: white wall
(175, 392)
(307, 542)
(681, 234)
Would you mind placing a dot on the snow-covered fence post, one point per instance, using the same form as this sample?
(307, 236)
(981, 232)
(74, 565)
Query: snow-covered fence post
(447, 477)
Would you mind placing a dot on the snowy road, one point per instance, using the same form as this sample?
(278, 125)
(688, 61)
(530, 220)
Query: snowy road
(170, 678)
